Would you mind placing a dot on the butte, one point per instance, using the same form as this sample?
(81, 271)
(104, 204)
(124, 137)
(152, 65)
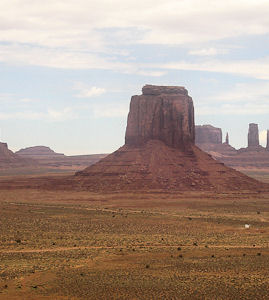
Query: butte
(159, 151)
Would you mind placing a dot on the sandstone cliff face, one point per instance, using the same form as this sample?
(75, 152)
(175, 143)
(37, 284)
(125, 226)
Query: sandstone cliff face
(253, 135)
(208, 134)
(161, 113)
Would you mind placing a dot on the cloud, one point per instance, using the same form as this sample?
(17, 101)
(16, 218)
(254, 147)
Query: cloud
(207, 52)
(50, 115)
(82, 34)
(233, 109)
(150, 73)
(242, 99)
(110, 111)
(60, 115)
(263, 137)
(258, 68)
(88, 92)
(257, 92)
(26, 100)
(6, 96)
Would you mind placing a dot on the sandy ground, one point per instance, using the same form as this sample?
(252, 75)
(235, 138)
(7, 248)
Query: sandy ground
(81, 245)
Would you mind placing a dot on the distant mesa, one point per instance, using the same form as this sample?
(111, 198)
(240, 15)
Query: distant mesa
(209, 139)
(38, 152)
(208, 134)
(46, 157)
(9, 159)
(159, 151)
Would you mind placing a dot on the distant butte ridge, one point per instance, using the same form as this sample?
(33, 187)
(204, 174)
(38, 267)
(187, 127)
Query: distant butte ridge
(160, 152)
(46, 157)
(38, 152)
(253, 157)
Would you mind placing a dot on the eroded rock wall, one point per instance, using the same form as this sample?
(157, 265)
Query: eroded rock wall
(253, 135)
(161, 113)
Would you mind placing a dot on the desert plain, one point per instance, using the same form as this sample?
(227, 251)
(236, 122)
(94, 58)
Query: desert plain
(133, 245)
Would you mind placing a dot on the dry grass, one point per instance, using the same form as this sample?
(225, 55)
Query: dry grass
(80, 245)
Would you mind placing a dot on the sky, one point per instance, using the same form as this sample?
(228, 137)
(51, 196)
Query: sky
(68, 68)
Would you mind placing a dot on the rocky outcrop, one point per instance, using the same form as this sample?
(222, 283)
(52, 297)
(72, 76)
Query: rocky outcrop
(253, 135)
(253, 157)
(161, 113)
(159, 151)
(208, 134)
(209, 139)
(8, 159)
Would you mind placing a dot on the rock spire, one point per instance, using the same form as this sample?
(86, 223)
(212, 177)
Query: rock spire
(253, 135)
(227, 139)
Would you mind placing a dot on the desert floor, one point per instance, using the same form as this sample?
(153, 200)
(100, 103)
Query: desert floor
(81, 245)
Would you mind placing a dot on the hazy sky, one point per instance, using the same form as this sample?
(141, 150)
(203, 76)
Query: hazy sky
(70, 67)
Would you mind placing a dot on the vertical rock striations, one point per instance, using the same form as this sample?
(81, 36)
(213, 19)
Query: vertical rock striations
(161, 113)
(253, 135)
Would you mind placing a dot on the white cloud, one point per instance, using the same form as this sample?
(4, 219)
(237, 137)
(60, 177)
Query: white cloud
(233, 109)
(150, 73)
(245, 92)
(76, 34)
(26, 100)
(110, 111)
(263, 137)
(6, 96)
(60, 115)
(242, 99)
(207, 52)
(258, 68)
(50, 115)
(88, 92)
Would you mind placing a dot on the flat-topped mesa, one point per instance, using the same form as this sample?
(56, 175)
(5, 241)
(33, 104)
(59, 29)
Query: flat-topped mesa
(253, 135)
(162, 113)
(155, 90)
(208, 134)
